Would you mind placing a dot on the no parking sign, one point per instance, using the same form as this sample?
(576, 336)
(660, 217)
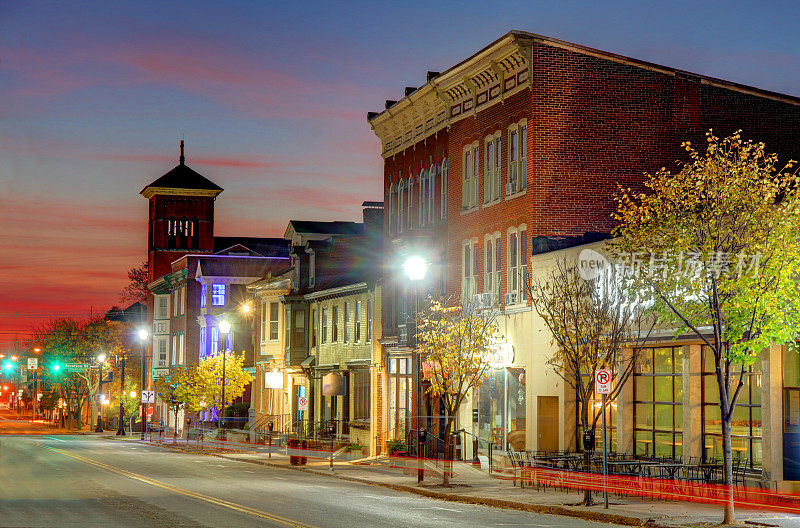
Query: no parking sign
(302, 403)
(602, 381)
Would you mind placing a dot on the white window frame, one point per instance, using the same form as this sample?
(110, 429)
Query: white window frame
(392, 226)
(518, 264)
(492, 265)
(423, 188)
(357, 323)
(443, 179)
(368, 325)
(324, 335)
(275, 321)
(470, 262)
(263, 326)
(181, 347)
(183, 299)
(522, 250)
(492, 164)
(400, 209)
(512, 261)
(410, 201)
(517, 158)
(432, 173)
(346, 318)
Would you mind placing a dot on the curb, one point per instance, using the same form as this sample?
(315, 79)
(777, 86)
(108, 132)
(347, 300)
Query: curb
(621, 520)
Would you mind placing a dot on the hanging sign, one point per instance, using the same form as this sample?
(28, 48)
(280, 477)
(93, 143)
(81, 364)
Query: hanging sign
(273, 380)
(602, 381)
(333, 384)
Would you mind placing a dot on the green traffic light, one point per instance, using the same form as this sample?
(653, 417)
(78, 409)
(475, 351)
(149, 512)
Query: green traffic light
(56, 368)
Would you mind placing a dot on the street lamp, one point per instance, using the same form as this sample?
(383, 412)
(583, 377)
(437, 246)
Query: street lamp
(143, 339)
(101, 358)
(416, 267)
(121, 417)
(224, 328)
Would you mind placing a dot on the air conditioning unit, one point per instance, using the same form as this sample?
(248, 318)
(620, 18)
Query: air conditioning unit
(511, 188)
(482, 300)
(511, 298)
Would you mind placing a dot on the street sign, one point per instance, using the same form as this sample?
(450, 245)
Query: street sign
(602, 381)
(148, 396)
(33, 363)
(76, 367)
(302, 403)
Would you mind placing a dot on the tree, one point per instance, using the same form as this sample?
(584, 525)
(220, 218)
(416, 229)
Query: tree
(136, 290)
(594, 324)
(722, 250)
(170, 391)
(453, 344)
(209, 378)
(65, 340)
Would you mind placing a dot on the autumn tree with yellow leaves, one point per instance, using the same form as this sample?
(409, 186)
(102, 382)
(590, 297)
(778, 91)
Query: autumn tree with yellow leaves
(717, 244)
(453, 343)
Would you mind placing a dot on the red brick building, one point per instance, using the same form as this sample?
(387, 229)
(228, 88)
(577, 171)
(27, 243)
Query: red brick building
(525, 142)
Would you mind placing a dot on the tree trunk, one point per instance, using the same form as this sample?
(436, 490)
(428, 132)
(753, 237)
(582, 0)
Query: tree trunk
(727, 471)
(448, 466)
(175, 431)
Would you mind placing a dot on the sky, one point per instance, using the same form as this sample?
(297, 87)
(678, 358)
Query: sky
(271, 99)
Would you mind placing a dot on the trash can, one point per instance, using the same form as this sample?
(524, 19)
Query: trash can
(296, 460)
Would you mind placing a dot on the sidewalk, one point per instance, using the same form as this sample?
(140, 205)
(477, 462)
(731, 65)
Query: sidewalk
(472, 485)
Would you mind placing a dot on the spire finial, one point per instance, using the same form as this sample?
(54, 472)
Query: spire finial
(182, 159)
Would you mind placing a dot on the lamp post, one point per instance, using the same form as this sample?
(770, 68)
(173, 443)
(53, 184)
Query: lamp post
(121, 427)
(224, 328)
(142, 340)
(416, 267)
(101, 358)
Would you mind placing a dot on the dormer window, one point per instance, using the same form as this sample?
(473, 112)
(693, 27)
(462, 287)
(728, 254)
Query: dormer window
(218, 295)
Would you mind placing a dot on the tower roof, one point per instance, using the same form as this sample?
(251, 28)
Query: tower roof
(183, 180)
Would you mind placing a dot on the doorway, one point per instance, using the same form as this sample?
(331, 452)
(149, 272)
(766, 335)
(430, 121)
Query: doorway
(547, 423)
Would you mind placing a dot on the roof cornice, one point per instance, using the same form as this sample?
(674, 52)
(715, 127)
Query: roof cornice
(149, 192)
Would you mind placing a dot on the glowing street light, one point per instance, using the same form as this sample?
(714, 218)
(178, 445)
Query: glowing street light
(142, 333)
(133, 394)
(101, 358)
(246, 308)
(415, 267)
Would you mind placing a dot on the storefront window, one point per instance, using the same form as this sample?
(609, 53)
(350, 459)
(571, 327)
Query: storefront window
(658, 402)
(746, 421)
(400, 387)
(500, 404)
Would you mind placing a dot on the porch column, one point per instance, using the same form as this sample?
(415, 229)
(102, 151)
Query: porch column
(692, 402)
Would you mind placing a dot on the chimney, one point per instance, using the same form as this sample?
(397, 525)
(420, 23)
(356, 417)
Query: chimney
(372, 213)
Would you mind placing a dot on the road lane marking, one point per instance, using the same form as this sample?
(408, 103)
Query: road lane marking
(185, 492)
(54, 438)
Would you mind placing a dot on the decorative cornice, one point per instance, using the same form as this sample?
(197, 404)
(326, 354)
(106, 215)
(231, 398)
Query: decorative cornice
(149, 192)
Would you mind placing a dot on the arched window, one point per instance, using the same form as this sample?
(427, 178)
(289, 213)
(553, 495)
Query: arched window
(183, 241)
(171, 232)
(400, 208)
(194, 229)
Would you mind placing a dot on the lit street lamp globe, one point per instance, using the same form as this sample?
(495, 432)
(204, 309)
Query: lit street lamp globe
(224, 327)
(415, 267)
(142, 334)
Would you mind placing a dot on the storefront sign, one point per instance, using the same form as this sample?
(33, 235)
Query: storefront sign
(500, 355)
(273, 380)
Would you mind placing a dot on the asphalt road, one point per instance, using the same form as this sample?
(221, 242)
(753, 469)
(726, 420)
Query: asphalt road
(90, 481)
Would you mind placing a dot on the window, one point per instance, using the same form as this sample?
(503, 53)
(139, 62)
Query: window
(400, 388)
(263, 327)
(469, 278)
(287, 327)
(313, 327)
(392, 212)
(357, 323)
(361, 396)
(335, 324)
(183, 300)
(513, 263)
(423, 195)
(273, 321)
(658, 402)
(163, 307)
(469, 189)
(214, 341)
(368, 329)
(491, 279)
(523, 263)
(444, 188)
(432, 172)
(491, 167)
(299, 320)
(203, 295)
(324, 326)
(346, 322)
(174, 352)
(410, 201)
(400, 208)
(162, 352)
(203, 342)
(517, 158)
(218, 295)
(180, 348)
(746, 421)
(175, 297)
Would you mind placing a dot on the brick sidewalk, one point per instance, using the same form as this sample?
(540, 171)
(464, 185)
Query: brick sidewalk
(476, 486)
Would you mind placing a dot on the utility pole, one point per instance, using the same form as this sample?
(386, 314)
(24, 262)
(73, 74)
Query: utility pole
(121, 428)
(142, 339)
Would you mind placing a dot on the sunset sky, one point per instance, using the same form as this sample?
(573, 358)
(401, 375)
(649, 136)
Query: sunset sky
(271, 98)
